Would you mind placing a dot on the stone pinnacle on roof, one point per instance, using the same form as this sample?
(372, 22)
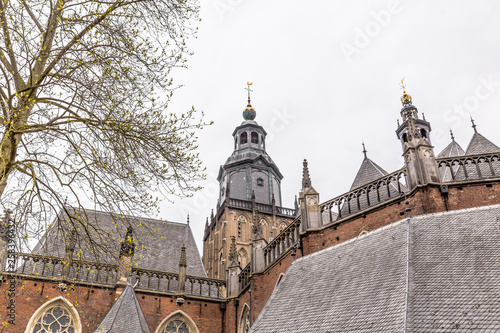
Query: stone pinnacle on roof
(233, 254)
(183, 260)
(128, 245)
(306, 180)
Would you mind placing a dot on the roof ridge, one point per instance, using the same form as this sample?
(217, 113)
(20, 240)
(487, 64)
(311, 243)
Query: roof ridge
(144, 218)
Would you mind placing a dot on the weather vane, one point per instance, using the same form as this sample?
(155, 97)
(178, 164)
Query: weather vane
(249, 90)
(403, 84)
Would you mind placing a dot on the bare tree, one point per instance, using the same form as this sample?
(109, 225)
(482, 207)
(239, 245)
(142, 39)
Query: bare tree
(83, 89)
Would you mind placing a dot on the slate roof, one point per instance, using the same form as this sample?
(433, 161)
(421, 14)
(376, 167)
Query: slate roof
(368, 172)
(125, 315)
(453, 149)
(158, 243)
(480, 145)
(360, 285)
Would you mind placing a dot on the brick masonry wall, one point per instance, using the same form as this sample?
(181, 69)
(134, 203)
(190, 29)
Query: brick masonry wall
(424, 200)
(93, 303)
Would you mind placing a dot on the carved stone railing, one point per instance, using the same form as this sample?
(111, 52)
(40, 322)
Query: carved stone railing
(284, 241)
(244, 277)
(470, 167)
(261, 207)
(364, 197)
(79, 270)
(92, 272)
(168, 282)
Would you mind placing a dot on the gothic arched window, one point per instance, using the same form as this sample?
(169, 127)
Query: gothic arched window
(254, 137)
(177, 322)
(244, 325)
(243, 138)
(57, 315)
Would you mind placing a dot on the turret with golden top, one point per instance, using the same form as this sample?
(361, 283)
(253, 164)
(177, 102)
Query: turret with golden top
(408, 110)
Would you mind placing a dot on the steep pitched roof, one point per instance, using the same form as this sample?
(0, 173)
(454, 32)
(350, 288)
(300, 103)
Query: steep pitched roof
(158, 243)
(368, 172)
(125, 315)
(453, 149)
(480, 145)
(360, 285)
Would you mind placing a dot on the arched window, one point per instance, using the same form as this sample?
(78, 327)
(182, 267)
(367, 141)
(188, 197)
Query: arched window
(243, 138)
(423, 132)
(244, 325)
(177, 322)
(254, 137)
(405, 137)
(260, 181)
(58, 315)
(243, 257)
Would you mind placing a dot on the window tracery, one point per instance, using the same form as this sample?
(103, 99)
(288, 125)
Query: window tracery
(55, 316)
(177, 322)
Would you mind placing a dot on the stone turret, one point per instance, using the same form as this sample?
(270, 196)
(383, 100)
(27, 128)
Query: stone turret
(309, 202)
(418, 152)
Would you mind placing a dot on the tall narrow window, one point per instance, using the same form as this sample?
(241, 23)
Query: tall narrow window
(243, 138)
(260, 182)
(255, 137)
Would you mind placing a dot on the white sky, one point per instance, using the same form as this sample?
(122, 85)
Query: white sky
(320, 88)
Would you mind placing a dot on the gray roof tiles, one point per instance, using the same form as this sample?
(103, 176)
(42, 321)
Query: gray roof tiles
(479, 145)
(359, 285)
(453, 149)
(158, 243)
(125, 315)
(368, 172)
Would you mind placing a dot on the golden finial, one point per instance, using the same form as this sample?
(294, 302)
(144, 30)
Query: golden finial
(397, 121)
(423, 116)
(249, 90)
(406, 98)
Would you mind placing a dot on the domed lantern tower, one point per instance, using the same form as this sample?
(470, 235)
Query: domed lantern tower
(250, 170)
(250, 193)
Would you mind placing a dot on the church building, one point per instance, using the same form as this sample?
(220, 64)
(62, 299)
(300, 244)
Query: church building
(411, 250)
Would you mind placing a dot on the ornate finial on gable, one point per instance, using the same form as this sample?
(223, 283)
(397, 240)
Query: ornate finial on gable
(452, 137)
(183, 260)
(364, 149)
(306, 179)
(188, 219)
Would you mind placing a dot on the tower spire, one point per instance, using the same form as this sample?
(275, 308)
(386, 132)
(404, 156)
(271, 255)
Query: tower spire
(473, 124)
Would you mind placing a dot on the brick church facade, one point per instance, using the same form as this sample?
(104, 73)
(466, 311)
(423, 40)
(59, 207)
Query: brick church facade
(153, 279)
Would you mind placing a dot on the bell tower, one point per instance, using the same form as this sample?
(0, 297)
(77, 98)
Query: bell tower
(250, 169)
(249, 201)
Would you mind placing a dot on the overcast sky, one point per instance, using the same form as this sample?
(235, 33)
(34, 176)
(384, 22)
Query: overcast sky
(326, 77)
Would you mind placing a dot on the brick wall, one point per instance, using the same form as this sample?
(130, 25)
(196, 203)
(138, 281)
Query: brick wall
(92, 304)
